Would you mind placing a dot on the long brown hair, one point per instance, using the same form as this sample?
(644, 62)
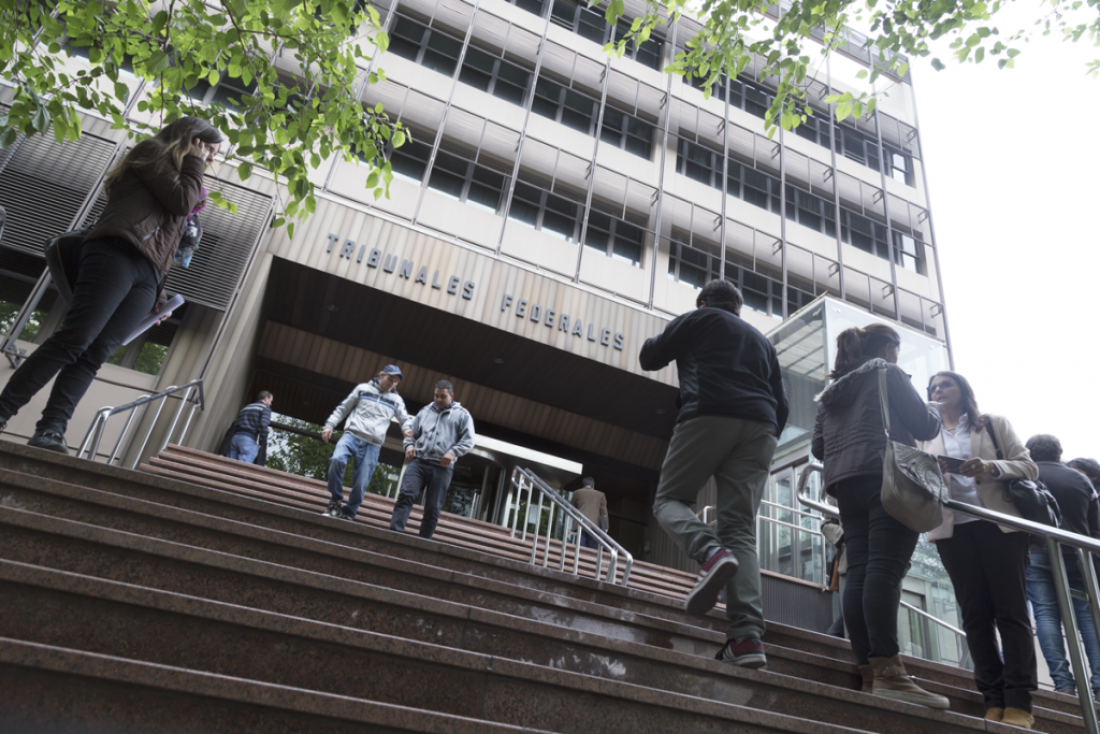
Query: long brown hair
(173, 141)
(973, 415)
(855, 346)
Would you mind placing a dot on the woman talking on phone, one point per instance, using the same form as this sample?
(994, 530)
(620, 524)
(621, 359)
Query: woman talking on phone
(123, 263)
(986, 561)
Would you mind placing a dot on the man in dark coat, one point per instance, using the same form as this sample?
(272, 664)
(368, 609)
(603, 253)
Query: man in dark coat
(732, 410)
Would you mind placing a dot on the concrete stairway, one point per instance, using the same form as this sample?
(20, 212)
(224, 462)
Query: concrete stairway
(136, 602)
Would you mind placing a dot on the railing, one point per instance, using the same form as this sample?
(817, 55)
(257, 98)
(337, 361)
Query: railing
(708, 510)
(525, 481)
(95, 431)
(1055, 539)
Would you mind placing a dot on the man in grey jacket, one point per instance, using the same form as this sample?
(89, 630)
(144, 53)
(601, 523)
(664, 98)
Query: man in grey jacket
(369, 409)
(441, 433)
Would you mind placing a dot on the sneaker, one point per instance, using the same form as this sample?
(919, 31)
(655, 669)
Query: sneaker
(333, 509)
(345, 515)
(747, 652)
(713, 576)
(49, 440)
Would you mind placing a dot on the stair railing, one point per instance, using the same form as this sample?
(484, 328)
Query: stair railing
(192, 392)
(1055, 539)
(526, 481)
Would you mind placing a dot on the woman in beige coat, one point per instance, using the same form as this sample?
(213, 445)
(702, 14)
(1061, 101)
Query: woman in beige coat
(986, 561)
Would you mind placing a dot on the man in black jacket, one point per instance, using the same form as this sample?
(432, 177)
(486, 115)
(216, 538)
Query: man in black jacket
(732, 410)
(1080, 514)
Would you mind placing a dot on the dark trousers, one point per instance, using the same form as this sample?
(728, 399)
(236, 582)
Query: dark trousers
(987, 568)
(115, 288)
(879, 548)
(589, 541)
(422, 475)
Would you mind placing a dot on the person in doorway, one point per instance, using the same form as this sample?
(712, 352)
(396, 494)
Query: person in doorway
(986, 562)
(253, 424)
(441, 434)
(592, 504)
(367, 412)
(732, 410)
(124, 260)
(1078, 503)
(849, 437)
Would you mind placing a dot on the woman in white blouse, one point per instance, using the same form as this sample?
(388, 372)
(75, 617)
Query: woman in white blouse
(986, 561)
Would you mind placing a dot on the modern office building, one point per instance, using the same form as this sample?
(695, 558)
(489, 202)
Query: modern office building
(554, 209)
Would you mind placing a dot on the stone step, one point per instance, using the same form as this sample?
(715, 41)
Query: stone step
(504, 590)
(228, 475)
(616, 693)
(515, 588)
(567, 640)
(45, 690)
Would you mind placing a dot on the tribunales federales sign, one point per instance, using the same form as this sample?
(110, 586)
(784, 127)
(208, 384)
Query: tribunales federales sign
(576, 325)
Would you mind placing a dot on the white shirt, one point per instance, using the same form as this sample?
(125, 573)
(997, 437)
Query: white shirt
(963, 489)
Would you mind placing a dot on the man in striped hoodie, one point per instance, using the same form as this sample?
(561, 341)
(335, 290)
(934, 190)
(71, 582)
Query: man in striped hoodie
(369, 409)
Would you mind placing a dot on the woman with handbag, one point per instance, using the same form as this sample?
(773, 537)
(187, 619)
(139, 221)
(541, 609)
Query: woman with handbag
(986, 562)
(124, 259)
(850, 437)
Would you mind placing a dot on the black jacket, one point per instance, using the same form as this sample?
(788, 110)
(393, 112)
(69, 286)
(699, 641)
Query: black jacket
(1076, 499)
(849, 435)
(148, 206)
(726, 367)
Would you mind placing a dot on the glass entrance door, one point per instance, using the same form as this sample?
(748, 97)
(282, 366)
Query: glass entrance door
(474, 480)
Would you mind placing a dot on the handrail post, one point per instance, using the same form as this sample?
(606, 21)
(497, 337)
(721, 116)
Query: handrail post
(1092, 588)
(1069, 620)
(153, 422)
(549, 533)
(122, 435)
(88, 435)
(98, 436)
(175, 418)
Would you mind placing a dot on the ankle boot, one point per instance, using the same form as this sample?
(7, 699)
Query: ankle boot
(1018, 717)
(868, 674)
(891, 681)
(994, 713)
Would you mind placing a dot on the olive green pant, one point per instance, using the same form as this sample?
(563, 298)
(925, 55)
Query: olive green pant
(738, 454)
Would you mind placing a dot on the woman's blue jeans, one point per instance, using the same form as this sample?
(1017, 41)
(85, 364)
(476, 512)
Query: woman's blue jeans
(1048, 620)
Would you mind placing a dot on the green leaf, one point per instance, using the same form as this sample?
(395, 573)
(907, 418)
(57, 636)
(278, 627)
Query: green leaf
(244, 170)
(158, 62)
(843, 111)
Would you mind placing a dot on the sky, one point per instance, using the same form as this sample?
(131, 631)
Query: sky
(1013, 161)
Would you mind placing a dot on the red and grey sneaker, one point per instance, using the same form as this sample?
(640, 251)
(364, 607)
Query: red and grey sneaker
(748, 652)
(713, 576)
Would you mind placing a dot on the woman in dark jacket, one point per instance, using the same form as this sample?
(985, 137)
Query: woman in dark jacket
(849, 437)
(123, 263)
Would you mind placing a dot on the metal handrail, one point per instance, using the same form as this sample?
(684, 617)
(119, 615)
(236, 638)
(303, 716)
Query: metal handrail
(525, 480)
(1055, 538)
(99, 422)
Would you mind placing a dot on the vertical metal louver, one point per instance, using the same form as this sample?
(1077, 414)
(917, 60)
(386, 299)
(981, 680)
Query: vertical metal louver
(227, 241)
(44, 186)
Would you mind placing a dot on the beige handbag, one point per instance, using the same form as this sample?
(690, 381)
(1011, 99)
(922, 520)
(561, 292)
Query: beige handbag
(913, 489)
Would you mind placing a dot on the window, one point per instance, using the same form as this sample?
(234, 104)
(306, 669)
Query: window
(590, 23)
(481, 68)
(410, 161)
(692, 262)
(615, 238)
(431, 48)
(762, 294)
(861, 232)
(700, 163)
(564, 105)
(626, 131)
(811, 211)
(553, 214)
(906, 251)
(753, 186)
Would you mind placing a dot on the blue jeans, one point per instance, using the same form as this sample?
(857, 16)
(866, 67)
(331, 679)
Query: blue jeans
(434, 480)
(366, 459)
(589, 541)
(243, 447)
(1048, 620)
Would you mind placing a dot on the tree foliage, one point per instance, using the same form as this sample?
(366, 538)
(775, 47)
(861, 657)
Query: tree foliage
(298, 60)
(307, 456)
(736, 31)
